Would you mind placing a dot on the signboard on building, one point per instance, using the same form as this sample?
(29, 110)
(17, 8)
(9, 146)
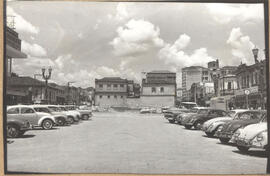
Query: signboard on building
(246, 91)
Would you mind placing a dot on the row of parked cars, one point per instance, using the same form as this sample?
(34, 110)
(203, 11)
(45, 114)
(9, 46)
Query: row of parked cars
(21, 118)
(242, 127)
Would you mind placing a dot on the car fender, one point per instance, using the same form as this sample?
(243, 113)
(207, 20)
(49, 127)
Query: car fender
(215, 125)
(46, 117)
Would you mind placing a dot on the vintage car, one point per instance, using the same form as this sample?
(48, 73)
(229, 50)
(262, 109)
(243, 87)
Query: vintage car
(36, 119)
(202, 116)
(183, 116)
(16, 127)
(60, 118)
(85, 114)
(210, 126)
(225, 131)
(172, 113)
(72, 116)
(145, 110)
(252, 136)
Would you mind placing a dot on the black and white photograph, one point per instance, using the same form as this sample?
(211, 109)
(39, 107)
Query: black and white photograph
(136, 87)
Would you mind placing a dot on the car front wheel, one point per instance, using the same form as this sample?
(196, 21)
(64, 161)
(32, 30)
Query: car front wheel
(171, 121)
(198, 125)
(61, 122)
(71, 120)
(47, 124)
(12, 131)
(210, 134)
(243, 148)
(188, 126)
(224, 140)
(85, 117)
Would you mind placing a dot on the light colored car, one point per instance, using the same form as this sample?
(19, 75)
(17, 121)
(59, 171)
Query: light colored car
(145, 110)
(72, 116)
(251, 136)
(210, 126)
(36, 119)
(61, 118)
(85, 113)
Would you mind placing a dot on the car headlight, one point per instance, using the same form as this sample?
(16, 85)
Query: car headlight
(259, 137)
(237, 133)
(220, 128)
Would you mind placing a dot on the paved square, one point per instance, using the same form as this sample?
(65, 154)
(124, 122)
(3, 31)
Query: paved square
(128, 142)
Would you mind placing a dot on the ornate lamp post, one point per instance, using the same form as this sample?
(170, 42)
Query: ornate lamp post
(255, 52)
(46, 78)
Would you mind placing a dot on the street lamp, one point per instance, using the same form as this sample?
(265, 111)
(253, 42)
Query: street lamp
(46, 78)
(255, 52)
(70, 82)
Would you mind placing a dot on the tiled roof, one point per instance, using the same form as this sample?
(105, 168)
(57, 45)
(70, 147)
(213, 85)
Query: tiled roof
(112, 79)
(160, 71)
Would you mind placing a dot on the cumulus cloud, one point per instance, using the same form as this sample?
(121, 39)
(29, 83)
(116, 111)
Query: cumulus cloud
(122, 12)
(224, 13)
(175, 55)
(33, 49)
(21, 24)
(135, 37)
(241, 45)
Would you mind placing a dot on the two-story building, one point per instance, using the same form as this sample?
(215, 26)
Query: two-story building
(111, 92)
(251, 85)
(159, 89)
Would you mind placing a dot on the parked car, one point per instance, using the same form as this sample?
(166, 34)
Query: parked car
(145, 110)
(184, 116)
(252, 136)
(172, 113)
(36, 119)
(211, 126)
(16, 127)
(60, 118)
(85, 114)
(71, 115)
(225, 131)
(202, 116)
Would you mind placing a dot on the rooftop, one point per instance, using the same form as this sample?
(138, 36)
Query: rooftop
(112, 79)
(161, 71)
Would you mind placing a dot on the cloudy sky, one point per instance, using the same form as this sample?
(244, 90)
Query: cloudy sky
(87, 40)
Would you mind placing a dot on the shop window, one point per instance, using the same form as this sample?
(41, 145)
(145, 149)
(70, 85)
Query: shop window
(108, 86)
(153, 90)
(100, 86)
(121, 85)
(115, 86)
(229, 85)
(162, 89)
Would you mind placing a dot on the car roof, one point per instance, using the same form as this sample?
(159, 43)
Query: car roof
(18, 106)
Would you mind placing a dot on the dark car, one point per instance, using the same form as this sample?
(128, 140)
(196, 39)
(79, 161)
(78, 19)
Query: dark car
(225, 132)
(16, 127)
(172, 113)
(183, 116)
(202, 116)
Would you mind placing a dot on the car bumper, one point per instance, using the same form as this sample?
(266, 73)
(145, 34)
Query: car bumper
(223, 135)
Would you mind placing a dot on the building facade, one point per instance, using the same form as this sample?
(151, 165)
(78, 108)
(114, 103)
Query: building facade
(251, 86)
(111, 92)
(159, 89)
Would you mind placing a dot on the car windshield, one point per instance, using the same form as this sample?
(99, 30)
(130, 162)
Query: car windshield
(54, 109)
(264, 118)
(63, 108)
(202, 111)
(249, 115)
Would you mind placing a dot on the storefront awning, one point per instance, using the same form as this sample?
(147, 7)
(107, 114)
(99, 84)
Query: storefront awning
(16, 93)
(13, 53)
